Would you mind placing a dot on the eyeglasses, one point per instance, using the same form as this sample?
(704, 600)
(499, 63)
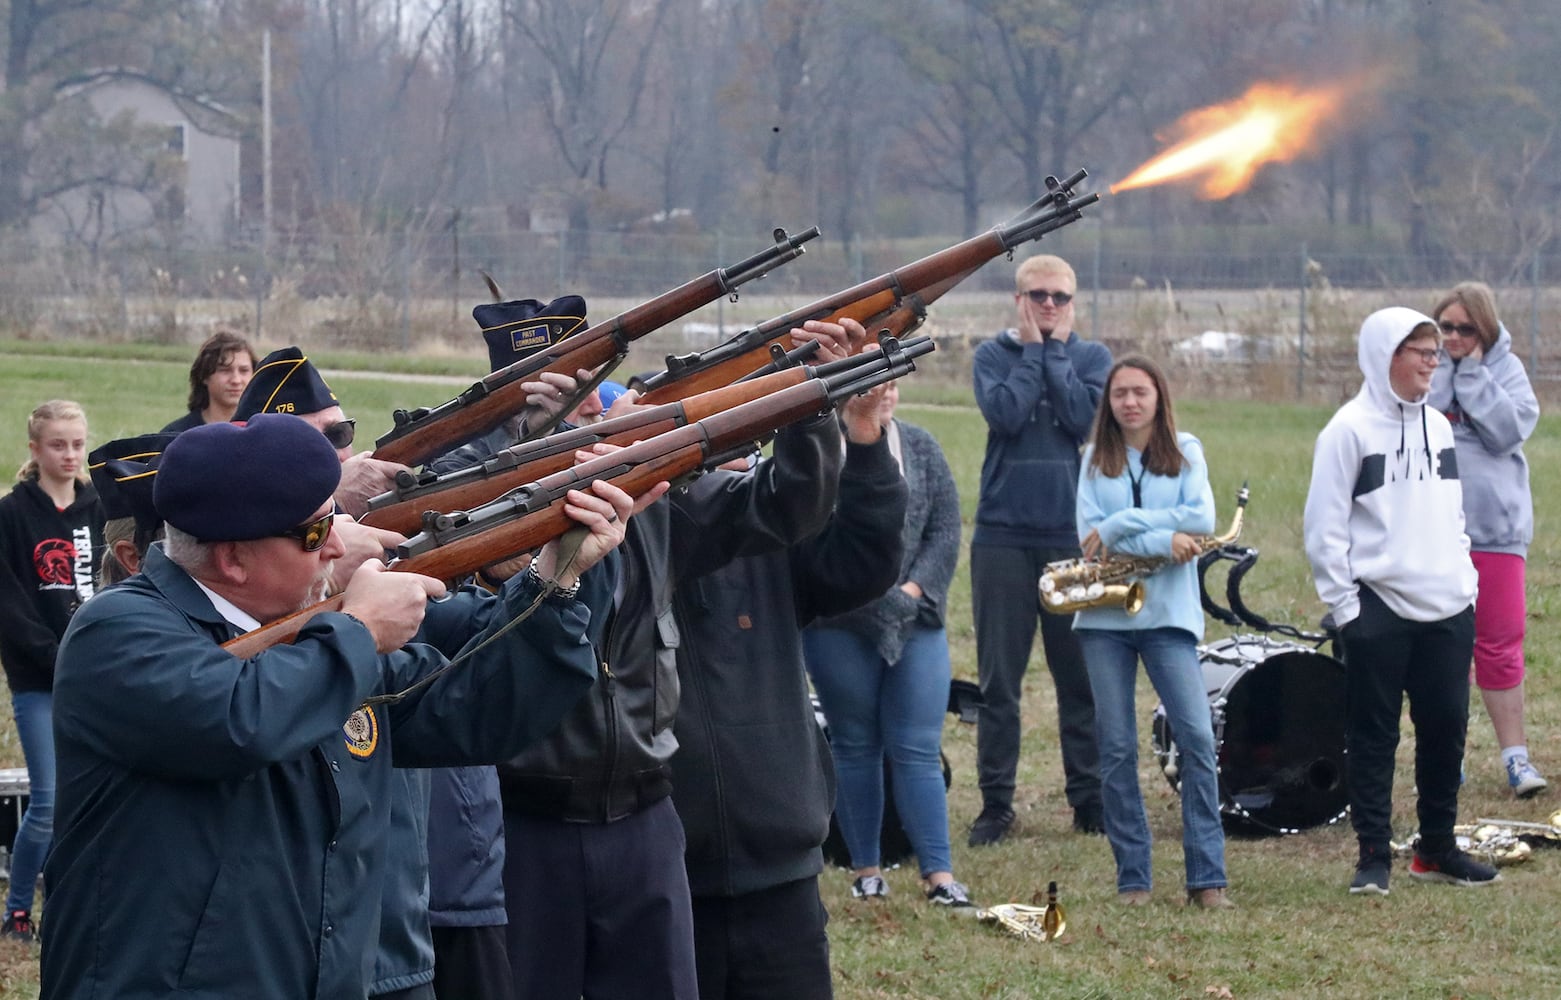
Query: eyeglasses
(1459, 329)
(311, 536)
(341, 433)
(1429, 355)
(1040, 295)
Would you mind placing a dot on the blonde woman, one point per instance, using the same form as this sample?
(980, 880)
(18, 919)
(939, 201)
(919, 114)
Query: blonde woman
(51, 534)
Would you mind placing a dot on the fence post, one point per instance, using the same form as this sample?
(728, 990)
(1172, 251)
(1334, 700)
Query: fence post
(1300, 343)
(406, 294)
(1533, 318)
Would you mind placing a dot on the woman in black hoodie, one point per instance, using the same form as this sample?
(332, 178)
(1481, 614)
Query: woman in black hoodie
(51, 534)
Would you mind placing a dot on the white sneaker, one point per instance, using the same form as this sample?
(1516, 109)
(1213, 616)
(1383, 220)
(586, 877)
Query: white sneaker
(1524, 778)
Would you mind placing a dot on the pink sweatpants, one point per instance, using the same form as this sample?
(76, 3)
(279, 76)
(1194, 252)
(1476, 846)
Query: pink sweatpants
(1500, 616)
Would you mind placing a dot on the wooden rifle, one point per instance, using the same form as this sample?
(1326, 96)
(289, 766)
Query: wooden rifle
(915, 285)
(419, 497)
(425, 433)
(456, 544)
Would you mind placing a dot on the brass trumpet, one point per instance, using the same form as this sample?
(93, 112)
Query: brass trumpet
(1071, 585)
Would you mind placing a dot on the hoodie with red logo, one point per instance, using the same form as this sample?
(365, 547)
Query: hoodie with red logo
(48, 563)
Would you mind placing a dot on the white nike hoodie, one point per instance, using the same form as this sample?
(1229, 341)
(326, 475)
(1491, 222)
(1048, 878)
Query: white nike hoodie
(1385, 507)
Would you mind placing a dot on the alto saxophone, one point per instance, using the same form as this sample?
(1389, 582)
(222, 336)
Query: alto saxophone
(1118, 581)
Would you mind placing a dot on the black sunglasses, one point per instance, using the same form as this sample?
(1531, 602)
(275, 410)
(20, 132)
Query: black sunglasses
(311, 536)
(1461, 329)
(1040, 295)
(341, 433)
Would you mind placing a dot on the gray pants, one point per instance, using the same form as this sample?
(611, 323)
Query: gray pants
(1006, 601)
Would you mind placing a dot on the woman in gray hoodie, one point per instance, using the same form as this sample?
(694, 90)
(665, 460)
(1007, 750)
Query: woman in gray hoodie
(1486, 395)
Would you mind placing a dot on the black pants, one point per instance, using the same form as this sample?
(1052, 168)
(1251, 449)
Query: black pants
(472, 963)
(764, 945)
(599, 910)
(1007, 605)
(1386, 657)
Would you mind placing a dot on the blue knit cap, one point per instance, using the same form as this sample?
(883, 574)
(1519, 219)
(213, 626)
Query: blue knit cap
(232, 482)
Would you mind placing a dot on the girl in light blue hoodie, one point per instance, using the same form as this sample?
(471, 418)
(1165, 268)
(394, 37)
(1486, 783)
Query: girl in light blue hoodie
(1144, 491)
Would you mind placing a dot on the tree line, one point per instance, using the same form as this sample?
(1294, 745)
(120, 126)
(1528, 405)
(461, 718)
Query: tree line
(870, 118)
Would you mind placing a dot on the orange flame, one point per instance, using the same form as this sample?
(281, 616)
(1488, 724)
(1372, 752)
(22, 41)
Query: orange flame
(1226, 144)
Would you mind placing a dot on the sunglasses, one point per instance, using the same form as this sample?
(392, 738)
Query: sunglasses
(311, 536)
(341, 433)
(1040, 295)
(1459, 329)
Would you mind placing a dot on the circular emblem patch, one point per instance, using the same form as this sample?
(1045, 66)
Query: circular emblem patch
(361, 731)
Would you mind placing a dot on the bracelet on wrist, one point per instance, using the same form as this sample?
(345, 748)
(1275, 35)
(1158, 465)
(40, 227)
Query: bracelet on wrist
(564, 593)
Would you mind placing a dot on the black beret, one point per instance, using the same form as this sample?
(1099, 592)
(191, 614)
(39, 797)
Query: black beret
(231, 482)
(518, 329)
(123, 472)
(285, 382)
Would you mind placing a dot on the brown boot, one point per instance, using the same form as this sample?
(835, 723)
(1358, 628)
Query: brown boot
(1210, 899)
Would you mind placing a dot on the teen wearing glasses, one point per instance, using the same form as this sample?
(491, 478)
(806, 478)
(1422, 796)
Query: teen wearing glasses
(1038, 386)
(1384, 534)
(1485, 393)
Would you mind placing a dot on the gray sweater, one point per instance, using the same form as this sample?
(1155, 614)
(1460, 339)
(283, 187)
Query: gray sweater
(1493, 411)
(931, 537)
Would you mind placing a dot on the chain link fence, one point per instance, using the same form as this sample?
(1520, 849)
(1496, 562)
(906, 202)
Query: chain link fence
(1259, 322)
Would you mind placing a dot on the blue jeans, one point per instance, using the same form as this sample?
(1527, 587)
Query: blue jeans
(1170, 657)
(34, 712)
(877, 709)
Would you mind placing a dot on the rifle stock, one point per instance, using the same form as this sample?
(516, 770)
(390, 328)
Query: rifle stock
(918, 283)
(405, 509)
(456, 544)
(422, 434)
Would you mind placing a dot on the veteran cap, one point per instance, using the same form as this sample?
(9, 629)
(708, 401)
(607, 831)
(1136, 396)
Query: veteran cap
(123, 472)
(285, 381)
(515, 330)
(231, 482)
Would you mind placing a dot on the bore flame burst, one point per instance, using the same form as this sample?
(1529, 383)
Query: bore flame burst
(1226, 144)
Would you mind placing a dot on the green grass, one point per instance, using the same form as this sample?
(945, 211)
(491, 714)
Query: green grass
(1296, 934)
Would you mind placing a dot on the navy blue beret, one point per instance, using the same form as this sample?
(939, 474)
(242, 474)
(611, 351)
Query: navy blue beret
(285, 382)
(231, 482)
(123, 472)
(518, 329)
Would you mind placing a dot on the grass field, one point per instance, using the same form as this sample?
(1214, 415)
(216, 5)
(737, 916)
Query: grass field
(1296, 933)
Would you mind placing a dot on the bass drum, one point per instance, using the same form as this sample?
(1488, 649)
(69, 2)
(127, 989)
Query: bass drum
(894, 847)
(1278, 712)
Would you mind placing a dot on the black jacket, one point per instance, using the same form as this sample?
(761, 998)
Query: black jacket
(610, 757)
(48, 565)
(753, 781)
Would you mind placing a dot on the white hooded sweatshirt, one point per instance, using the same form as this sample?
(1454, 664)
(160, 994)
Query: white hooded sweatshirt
(1385, 507)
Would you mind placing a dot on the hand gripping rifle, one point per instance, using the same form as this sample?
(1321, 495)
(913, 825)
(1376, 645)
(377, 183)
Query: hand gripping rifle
(417, 498)
(916, 284)
(422, 434)
(456, 544)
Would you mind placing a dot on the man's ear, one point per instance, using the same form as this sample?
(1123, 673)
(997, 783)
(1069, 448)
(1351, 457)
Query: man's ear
(230, 562)
(127, 555)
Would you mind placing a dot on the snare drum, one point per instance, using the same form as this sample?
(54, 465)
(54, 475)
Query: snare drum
(1278, 710)
(15, 788)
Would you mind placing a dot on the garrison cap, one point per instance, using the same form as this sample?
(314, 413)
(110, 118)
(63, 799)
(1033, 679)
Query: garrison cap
(232, 482)
(123, 472)
(285, 381)
(516, 330)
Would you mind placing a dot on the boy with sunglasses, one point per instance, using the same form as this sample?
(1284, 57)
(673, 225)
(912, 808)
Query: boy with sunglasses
(1038, 386)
